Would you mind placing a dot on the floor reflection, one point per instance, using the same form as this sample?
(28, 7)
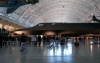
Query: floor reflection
(61, 50)
(66, 53)
(98, 46)
(91, 50)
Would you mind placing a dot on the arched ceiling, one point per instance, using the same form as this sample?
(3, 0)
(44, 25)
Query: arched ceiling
(57, 11)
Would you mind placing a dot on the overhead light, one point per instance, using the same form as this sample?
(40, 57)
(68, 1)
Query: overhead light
(10, 17)
(53, 23)
(40, 24)
(91, 42)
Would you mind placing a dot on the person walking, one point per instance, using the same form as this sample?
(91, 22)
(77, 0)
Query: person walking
(23, 40)
(1, 40)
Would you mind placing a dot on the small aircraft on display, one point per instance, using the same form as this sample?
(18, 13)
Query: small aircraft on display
(94, 18)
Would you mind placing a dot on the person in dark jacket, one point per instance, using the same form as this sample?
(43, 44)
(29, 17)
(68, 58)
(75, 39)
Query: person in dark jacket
(39, 40)
(1, 40)
(23, 40)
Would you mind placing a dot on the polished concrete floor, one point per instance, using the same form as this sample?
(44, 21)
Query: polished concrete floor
(68, 53)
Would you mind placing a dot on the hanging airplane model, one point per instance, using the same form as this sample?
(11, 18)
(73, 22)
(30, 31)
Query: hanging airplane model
(94, 18)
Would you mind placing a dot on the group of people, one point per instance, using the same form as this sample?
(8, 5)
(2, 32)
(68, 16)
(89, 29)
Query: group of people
(22, 39)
